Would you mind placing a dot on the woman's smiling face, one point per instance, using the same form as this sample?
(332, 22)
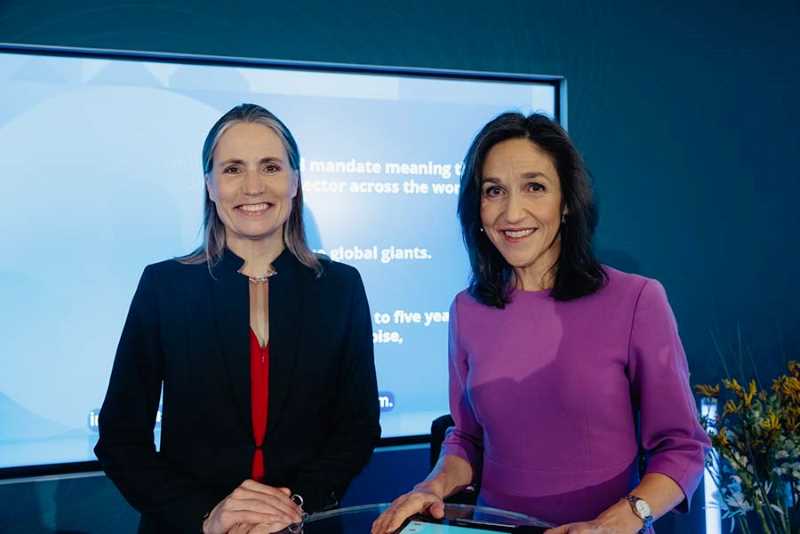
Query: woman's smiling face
(251, 183)
(521, 208)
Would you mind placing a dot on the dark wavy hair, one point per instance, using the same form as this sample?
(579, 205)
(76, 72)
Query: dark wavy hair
(577, 271)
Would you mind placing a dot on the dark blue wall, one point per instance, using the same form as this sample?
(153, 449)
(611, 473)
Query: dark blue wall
(686, 113)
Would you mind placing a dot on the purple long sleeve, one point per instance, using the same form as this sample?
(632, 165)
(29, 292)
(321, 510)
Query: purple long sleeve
(659, 377)
(545, 394)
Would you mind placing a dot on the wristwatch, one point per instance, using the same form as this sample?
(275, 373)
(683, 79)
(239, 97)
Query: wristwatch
(642, 511)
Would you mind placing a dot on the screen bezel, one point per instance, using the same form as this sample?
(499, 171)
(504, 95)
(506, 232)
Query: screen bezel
(557, 82)
(466, 523)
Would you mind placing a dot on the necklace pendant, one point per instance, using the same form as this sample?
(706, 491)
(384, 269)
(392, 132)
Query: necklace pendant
(262, 279)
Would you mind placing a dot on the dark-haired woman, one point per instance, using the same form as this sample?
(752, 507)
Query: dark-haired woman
(264, 352)
(554, 357)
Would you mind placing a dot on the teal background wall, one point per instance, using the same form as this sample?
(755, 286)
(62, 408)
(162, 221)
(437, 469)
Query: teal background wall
(686, 113)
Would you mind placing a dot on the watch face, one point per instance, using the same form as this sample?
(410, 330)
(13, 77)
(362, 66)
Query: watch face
(642, 508)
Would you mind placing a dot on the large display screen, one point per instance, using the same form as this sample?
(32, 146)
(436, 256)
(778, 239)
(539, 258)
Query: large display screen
(102, 176)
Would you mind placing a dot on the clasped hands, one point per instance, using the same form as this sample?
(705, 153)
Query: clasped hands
(253, 508)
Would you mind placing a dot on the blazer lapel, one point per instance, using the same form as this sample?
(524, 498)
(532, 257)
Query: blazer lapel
(286, 300)
(231, 311)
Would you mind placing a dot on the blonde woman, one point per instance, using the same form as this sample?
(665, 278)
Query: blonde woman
(264, 352)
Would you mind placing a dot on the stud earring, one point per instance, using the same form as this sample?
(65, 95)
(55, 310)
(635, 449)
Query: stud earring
(482, 230)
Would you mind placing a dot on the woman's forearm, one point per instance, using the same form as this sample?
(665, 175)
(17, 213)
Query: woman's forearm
(449, 475)
(661, 493)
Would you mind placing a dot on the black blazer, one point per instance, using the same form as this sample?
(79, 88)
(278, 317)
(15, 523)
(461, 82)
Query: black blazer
(189, 330)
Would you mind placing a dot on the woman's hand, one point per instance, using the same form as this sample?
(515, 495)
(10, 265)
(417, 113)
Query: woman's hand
(253, 503)
(618, 519)
(262, 528)
(423, 498)
(585, 528)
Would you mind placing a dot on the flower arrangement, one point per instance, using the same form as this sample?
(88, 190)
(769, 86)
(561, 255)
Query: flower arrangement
(757, 441)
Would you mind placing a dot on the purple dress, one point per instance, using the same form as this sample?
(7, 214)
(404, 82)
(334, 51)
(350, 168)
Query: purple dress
(545, 396)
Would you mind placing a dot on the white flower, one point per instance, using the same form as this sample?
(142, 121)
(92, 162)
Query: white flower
(737, 500)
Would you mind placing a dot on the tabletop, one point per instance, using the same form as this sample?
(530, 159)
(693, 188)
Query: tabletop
(358, 519)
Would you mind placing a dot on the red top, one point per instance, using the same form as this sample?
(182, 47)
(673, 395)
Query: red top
(259, 401)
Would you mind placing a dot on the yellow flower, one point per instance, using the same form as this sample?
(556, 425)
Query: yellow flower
(733, 385)
(722, 437)
(791, 387)
(794, 368)
(730, 408)
(771, 423)
(777, 384)
(751, 392)
(707, 390)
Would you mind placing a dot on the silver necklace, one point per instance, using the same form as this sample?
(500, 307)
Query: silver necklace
(262, 279)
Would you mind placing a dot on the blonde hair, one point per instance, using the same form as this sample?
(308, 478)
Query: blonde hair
(294, 234)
